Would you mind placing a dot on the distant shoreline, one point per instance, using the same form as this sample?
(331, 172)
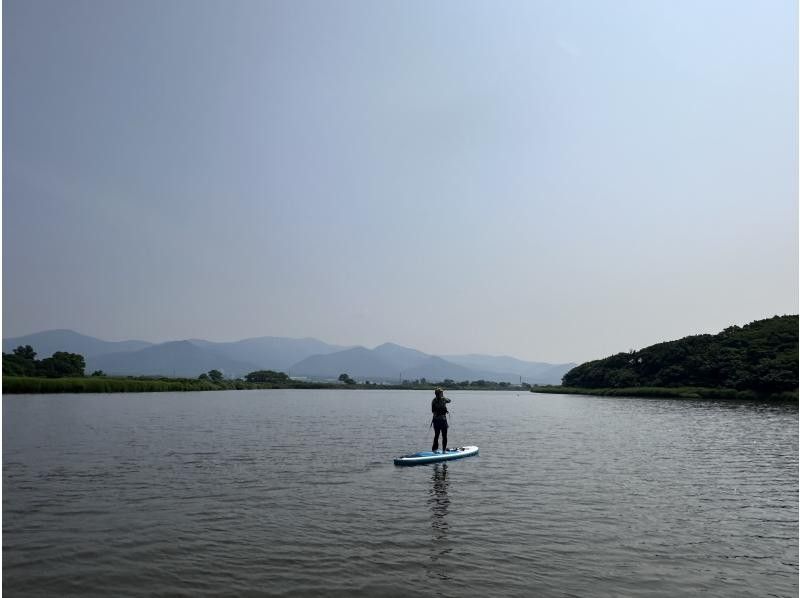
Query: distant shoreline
(663, 392)
(18, 385)
(110, 384)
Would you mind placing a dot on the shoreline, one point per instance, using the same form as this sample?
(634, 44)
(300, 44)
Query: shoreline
(20, 385)
(664, 392)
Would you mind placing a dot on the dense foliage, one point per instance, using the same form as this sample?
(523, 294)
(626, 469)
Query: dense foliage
(346, 379)
(22, 362)
(673, 392)
(64, 372)
(29, 385)
(761, 356)
(269, 376)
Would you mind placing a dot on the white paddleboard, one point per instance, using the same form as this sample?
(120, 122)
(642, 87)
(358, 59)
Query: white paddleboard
(436, 456)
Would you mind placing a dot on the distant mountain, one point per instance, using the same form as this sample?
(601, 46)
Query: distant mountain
(436, 368)
(358, 362)
(392, 363)
(270, 352)
(552, 375)
(48, 342)
(401, 358)
(177, 358)
(307, 357)
(529, 370)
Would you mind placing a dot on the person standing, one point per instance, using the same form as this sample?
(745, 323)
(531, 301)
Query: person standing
(439, 423)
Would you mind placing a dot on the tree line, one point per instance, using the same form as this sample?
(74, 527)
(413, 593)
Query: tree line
(761, 356)
(24, 373)
(22, 362)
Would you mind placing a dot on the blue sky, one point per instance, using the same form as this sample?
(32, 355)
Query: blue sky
(557, 181)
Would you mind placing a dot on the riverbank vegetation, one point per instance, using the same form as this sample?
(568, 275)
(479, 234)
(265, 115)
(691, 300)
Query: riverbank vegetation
(757, 360)
(88, 384)
(64, 373)
(34, 385)
(679, 392)
(22, 362)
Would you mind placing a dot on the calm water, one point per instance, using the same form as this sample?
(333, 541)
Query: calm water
(293, 493)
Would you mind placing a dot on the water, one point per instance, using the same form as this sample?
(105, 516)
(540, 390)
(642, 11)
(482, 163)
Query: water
(293, 493)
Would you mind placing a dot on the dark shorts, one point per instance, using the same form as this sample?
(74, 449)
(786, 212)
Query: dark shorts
(439, 424)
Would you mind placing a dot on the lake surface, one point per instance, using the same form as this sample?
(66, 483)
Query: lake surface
(293, 493)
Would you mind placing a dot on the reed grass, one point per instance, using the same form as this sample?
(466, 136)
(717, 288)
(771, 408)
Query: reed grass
(660, 392)
(28, 385)
(106, 384)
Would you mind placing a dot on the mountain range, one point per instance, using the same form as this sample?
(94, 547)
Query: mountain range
(305, 358)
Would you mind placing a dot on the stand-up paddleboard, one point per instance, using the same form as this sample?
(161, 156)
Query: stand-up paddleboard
(436, 456)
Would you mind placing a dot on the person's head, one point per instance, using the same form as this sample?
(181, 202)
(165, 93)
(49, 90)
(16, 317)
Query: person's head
(439, 393)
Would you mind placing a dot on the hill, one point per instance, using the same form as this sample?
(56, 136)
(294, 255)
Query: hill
(271, 352)
(436, 368)
(177, 358)
(48, 342)
(307, 357)
(401, 358)
(761, 356)
(534, 372)
(392, 363)
(358, 362)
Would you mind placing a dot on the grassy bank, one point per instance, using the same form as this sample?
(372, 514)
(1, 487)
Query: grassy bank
(106, 384)
(31, 385)
(686, 392)
(28, 385)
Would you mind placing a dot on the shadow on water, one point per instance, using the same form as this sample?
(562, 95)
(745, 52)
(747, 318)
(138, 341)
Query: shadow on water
(439, 504)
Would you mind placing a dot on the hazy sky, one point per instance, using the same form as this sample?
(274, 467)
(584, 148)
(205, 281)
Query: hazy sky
(554, 180)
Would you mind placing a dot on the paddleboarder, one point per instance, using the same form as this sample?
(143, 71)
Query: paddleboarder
(439, 423)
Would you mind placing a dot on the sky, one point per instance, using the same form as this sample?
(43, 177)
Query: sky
(553, 180)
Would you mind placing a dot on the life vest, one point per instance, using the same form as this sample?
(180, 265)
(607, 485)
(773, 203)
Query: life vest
(439, 407)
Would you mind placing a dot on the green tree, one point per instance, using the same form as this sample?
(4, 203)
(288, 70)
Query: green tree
(346, 379)
(215, 375)
(62, 364)
(25, 352)
(98, 373)
(760, 356)
(20, 362)
(268, 376)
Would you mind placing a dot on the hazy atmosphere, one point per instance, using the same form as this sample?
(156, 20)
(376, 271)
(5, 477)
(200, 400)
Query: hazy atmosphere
(556, 181)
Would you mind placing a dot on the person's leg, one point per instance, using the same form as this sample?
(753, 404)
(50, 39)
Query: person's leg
(444, 438)
(435, 437)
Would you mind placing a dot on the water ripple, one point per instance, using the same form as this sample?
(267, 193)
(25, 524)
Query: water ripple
(292, 493)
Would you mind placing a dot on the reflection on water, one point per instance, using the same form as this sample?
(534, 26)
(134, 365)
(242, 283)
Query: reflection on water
(439, 503)
(246, 493)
